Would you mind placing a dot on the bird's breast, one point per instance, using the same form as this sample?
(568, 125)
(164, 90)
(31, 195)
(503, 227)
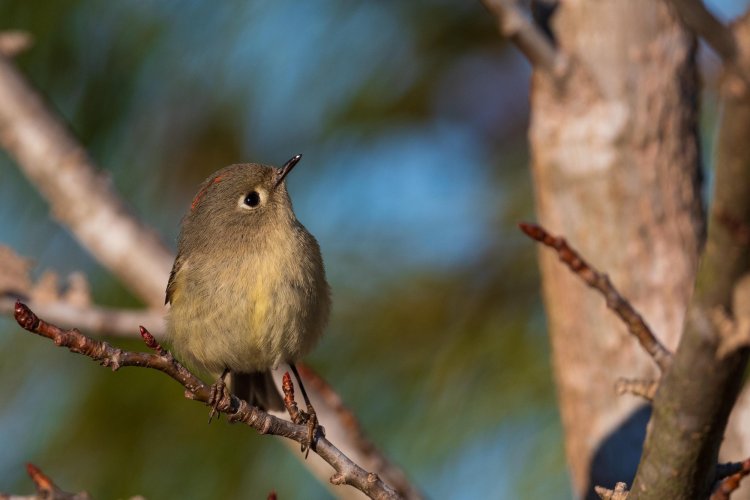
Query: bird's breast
(249, 308)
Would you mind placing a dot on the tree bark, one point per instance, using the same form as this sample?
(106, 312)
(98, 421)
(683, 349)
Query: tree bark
(616, 169)
(692, 405)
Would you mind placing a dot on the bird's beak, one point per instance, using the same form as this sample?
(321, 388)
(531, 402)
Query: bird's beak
(284, 171)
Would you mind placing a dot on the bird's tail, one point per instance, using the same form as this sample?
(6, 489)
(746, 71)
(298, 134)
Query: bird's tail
(258, 389)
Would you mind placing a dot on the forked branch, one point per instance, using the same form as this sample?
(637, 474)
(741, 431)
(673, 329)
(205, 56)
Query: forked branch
(704, 24)
(515, 25)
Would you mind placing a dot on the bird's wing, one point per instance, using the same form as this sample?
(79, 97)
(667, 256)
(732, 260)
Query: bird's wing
(172, 281)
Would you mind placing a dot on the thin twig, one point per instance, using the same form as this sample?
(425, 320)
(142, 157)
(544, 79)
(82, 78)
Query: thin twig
(726, 469)
(704, 24)
(347, 472)
(638, 387)
(46, 489)
(349, 423)
(619, 493)
(599, 281)
(515, 25)
(730, 483)
(68, 305)
(94, 319)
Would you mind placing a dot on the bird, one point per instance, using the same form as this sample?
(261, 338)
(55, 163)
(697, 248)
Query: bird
(248, 290)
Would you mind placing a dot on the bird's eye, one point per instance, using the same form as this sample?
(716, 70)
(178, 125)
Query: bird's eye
(252, 199)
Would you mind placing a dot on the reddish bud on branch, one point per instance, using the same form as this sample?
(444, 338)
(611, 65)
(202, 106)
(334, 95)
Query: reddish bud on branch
(25, 317)
(148, 338)
(42, 482)
(291, 406)
(151, 341)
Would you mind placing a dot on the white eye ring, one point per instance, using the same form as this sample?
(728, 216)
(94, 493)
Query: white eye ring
(252, 199)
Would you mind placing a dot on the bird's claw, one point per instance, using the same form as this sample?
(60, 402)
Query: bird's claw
(314, 429)
(219, 397)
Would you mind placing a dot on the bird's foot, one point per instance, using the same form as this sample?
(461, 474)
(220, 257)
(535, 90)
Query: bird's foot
(219, 398)
(314, 429)
(299, 417)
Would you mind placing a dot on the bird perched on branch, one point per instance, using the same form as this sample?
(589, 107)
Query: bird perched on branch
(247, 289)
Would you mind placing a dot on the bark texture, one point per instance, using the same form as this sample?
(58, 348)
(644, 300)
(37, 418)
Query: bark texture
(689, 419)
(616, 171)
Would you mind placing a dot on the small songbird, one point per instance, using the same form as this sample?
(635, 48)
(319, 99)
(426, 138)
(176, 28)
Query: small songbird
(248, 289)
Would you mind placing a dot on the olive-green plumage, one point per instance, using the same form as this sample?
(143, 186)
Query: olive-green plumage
(248, 289)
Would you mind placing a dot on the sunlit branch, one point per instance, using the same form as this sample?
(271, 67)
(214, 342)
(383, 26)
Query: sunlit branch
(347, 472)
(515, 25)
(79, 193)
(82, 198)
(96, 319)
(600, 282)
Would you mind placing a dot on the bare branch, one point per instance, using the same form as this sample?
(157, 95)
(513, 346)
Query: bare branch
(638, 387)
(593, 278)
(730, 483)
(619, 493)
(368, 451)
(46, 489)
(96, 319)
(70, 305)
(530, 40)
(347, 472)
(79, 194)
(704, 24)
(82, 198)
(724, 470)
(698, 392)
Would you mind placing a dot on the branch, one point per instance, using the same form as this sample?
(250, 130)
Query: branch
(83, 199)
(69, 305)
(696, 395)
(348, 422)
(58, 307)
(46, 489)
(730, 483)
(638, 387)
(347, 472)
(619, 493)
(529, 39)
(80, 195)
(100, 320)
(599, 281)
(704, 24)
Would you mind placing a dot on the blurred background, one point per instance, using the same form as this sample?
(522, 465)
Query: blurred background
(411, 117)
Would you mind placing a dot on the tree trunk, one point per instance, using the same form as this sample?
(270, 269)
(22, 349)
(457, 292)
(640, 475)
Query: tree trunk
(616, 171)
